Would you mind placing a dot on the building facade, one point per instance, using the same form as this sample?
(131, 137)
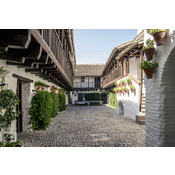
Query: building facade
(88, 80)
(31, 55)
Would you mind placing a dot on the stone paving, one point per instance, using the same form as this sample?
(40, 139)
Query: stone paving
(87, 126)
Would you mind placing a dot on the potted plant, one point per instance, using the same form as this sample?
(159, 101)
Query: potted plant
(149, 49)
(125, 89)
(123, 83)
(53, 88)
(43, 86)
(121, 90)
(116, 84)
(120, 84)
(128, 81)
(61, 91)
(132, 88)
(38, 85)
(148, 67)
(115, 90)
(158, 35)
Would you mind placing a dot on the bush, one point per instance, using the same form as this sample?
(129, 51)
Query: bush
(55, 104)
(61, 102)
(112, 100)
(92, 97)
(41, 110)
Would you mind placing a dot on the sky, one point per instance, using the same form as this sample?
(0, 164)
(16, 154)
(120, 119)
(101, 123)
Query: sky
(94, 46)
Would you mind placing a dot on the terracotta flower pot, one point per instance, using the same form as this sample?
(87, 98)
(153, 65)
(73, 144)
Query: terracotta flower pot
(129, 83)
(116, 92)
(159, 37)
(126, 90)
(149, 53)
(123, 84)
(149, 72)
(38, 87)
(43, 88)
(132, 90)
(121, 91)
(116, 85)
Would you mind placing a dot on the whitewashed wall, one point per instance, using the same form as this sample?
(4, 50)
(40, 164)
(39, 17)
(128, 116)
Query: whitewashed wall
(160, 96)
(26, 89)
(129, 101)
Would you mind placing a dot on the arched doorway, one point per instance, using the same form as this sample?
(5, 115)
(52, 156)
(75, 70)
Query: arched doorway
(120, 108)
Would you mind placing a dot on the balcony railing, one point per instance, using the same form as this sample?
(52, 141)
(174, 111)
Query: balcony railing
(86, 85)
(112, 76)
(53, 41)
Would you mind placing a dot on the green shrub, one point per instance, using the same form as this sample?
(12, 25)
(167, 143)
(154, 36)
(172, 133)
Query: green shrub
(113, 100)
(41, 110)
(55, 104)
(92, 97)
(39, 83)
(61, 102)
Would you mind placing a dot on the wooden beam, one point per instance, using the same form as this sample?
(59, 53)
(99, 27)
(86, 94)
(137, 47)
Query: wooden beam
(141, 75)
(15, 38)
(22, 78)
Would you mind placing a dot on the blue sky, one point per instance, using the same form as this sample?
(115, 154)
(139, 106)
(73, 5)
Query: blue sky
(95, 45)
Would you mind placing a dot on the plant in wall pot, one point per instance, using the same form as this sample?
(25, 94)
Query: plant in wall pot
(158, 35)
(120, 84)
(132, 88)
(149, 49)
(39, 85)
(53, 88)
(116, 84)
(61, 91)
(128, 81)
(115, 90)
(123, 83)
(121, 90)
(125, 89)
(148, 67)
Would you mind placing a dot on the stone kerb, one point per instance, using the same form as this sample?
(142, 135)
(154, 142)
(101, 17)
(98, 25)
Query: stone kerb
(160, 97)
(129, 101)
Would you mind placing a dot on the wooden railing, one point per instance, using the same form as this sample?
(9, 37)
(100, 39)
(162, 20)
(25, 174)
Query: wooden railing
(88, 85)
(53, 41)
(112, 76)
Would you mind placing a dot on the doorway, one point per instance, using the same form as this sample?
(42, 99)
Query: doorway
(97, 82)
(80, 97)
(19, 107)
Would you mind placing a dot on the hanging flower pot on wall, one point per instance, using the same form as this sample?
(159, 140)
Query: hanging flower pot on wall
(132, 88)
(159, 37)
(149, 72)
(149, 53)
(148, 67)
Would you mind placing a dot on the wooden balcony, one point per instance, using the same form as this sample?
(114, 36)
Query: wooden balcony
(40, 52)
(87, 85)
(112, 76)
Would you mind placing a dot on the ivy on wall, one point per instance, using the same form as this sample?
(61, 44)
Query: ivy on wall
(92, 97)
(112, 100)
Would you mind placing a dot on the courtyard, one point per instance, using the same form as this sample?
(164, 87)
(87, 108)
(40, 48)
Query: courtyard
(87, 126)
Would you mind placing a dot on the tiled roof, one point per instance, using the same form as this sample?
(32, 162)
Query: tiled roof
(89, 69)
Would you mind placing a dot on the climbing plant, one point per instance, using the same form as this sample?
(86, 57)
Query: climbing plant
(41, 110)
(8, 113)
(112, 99)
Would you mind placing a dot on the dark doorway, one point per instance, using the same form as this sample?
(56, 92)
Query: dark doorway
(80, 97)
(19, 107)
(97, 82)
(104, 98)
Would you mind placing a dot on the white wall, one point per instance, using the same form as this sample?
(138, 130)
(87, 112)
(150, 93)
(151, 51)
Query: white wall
(129, 101)
(12, 84)
(160, 96)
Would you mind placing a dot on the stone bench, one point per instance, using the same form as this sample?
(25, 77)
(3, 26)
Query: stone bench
(88, 102)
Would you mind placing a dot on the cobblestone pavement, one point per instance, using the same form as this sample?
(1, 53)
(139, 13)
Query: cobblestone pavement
(87, 126)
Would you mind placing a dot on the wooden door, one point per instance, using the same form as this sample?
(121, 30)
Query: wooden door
(19, 107)
(80, 97)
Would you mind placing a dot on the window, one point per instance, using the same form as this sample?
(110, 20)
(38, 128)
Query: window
(82, 79)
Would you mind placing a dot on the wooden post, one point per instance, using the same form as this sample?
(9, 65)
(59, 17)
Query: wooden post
(121, 67)
(141, 75)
